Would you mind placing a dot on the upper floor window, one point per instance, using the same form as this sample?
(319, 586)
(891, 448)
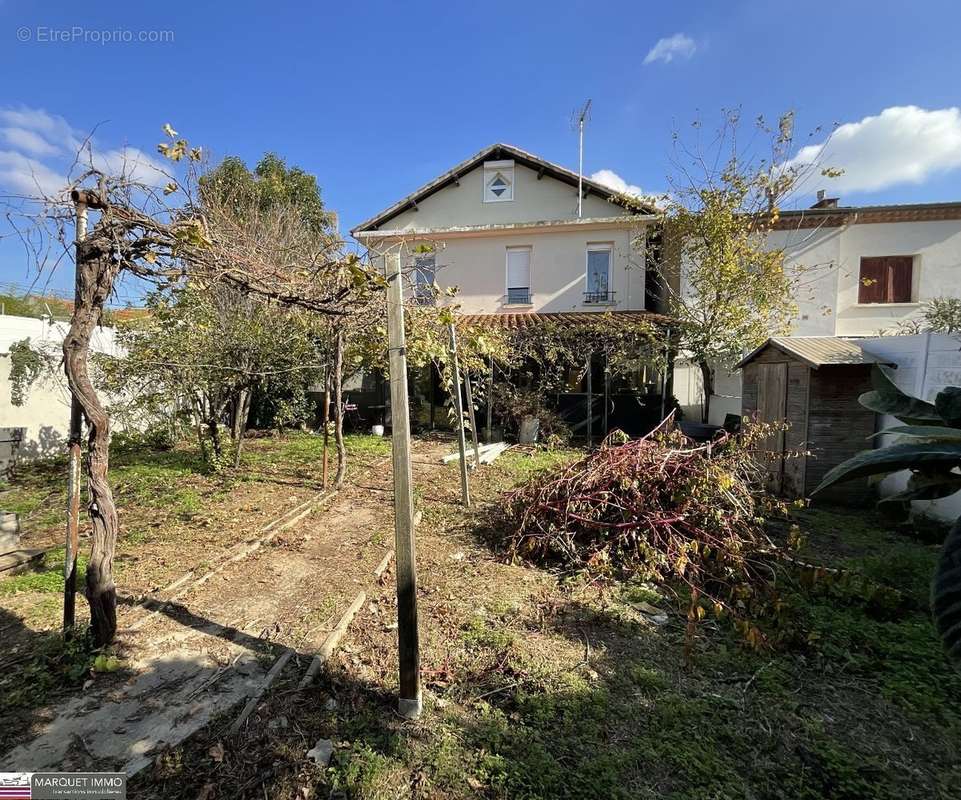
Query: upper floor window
(498, 181)
(598, 286)
(519, 275)
(886, 279)
(423, 279)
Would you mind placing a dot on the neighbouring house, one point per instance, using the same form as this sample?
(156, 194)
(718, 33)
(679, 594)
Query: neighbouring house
(862, 269)
(39, 427)
(508, 229)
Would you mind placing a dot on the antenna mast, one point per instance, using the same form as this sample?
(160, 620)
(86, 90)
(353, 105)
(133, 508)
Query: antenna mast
(582, 117)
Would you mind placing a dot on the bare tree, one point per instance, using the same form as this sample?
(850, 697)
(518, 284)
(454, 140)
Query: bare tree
(168, 237)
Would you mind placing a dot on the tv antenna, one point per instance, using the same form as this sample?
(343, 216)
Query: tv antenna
(581, 118)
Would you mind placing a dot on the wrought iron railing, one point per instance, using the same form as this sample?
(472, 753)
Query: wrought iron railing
(599, 297)
(518, 295)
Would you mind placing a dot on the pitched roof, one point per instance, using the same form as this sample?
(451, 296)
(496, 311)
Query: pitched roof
(533, 319)
(835, 216)
(493, 152)
(816, 351)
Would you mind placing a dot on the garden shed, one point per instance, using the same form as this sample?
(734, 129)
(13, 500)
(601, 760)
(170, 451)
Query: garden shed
(813, 383)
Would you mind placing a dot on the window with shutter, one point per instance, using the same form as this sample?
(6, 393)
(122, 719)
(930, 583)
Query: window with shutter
(886, 279)
(900, 277)
(519, 275)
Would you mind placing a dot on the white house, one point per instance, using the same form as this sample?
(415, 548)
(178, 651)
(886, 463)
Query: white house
(509, 230)
(862, 270)
(510, 233)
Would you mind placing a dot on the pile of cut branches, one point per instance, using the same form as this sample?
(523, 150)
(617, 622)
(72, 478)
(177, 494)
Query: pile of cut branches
(663, 508)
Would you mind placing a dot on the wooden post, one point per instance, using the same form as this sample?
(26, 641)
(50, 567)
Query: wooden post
(459, 410)
(326, 419)
(73, 467)
(473, 421)
(590, 404)
(490, 403)
(409, 704)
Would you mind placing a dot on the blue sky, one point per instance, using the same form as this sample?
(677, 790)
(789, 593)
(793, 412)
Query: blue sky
(377, 98)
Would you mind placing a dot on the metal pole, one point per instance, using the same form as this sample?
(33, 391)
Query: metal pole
(580, 164)
(490, 403)
(473, 421)
(74, 463)
(607, 392)
(409, 704)
(459, 409)
(667, 366)
(590, 404)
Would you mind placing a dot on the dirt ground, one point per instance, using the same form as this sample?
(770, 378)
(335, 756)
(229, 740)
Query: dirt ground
(536, 685)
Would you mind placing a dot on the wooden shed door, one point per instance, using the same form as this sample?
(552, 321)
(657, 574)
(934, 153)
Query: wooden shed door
(772, 407)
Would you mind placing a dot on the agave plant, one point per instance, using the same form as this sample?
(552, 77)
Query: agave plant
(929, 444)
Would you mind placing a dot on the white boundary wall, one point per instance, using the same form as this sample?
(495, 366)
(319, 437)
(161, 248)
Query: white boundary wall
(45, 415)
(926, 364)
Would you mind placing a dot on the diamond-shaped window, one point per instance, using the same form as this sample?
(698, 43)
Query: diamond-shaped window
(499, 185)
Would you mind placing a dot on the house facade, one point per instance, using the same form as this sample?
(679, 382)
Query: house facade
(526, 242)
(862, 270)
(507, 229)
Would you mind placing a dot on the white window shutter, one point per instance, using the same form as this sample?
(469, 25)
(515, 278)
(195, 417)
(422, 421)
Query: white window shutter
(518, 268)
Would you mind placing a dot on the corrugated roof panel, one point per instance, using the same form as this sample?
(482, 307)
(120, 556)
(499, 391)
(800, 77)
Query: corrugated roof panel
(818, 351)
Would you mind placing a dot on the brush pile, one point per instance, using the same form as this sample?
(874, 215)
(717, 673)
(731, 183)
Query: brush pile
(661, 507)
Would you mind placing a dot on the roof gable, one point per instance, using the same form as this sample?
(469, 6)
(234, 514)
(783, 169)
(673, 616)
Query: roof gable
(497, 152)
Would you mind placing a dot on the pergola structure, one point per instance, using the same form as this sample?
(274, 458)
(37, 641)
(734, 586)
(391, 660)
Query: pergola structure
(594, 403)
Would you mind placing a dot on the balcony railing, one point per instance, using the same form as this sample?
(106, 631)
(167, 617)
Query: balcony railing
(599, 297)
(518, 295)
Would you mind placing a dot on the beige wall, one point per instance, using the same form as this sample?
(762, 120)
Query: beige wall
(534, 200)
(477, 265)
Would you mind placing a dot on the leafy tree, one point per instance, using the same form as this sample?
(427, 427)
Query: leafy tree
(727, 287)
(205, 353)
(929, 445)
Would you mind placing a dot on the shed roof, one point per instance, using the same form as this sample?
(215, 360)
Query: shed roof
(816, 351)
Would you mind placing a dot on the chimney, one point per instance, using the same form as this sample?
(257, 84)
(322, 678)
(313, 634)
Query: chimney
(825, 202)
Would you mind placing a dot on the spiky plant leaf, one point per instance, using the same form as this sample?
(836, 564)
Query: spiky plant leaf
(946, 594)
(948, 405)
(922, 432)
(886, 398)
(944, 455)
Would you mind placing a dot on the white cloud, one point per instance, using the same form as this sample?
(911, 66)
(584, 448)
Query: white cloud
(610, 179)
(54, 130)
(28, 141)
(27, 176)
(41, 147)
(678, 46)
(902, 144)
(135, 164)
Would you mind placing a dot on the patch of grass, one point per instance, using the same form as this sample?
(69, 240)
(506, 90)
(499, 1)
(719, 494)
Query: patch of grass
(520, 466)
(55, 664)
(478, 631)
(46, 577)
